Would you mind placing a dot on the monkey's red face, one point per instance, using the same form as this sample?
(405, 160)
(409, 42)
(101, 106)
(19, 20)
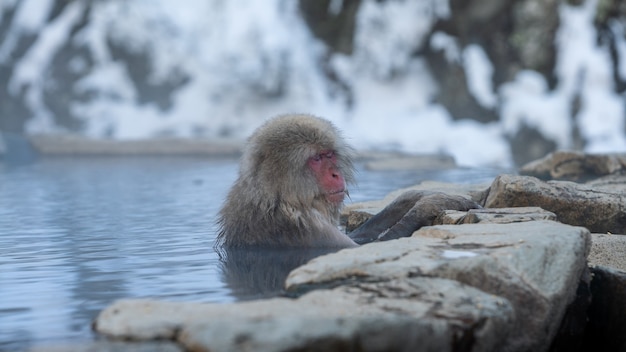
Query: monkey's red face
(328, 175)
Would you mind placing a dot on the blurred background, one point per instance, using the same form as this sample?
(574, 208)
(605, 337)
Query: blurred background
(490, 82)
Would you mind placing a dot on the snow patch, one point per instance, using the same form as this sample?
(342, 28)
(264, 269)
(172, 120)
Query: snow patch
(450, 254)
(247, 61)
(479, 73)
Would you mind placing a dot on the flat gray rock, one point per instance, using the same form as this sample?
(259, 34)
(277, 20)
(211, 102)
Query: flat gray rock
(534, 265)
(601, 210)
(426, 314)
(609, 251)
(610, 183)
(494, 216)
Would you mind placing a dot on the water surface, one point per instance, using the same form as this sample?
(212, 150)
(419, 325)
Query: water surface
(78, 234)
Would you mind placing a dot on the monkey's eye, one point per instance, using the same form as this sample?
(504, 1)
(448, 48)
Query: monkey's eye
(325, 154)
(329, 154)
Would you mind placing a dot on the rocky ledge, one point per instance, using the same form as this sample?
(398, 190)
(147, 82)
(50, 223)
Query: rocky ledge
(540, 268)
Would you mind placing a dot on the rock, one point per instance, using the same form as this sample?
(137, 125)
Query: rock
(494, 216)
(599, 210)
(534, 24)
(608, 251)
(357, 218)
(611, 183)
(571, 334)
(534, 265)
(529, 143)
(426, 314)
(575, 166)
(334, 28)
(515, 36)
(606, 330)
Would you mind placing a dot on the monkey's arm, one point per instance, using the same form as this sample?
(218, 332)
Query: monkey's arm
(388, 217)
(407, 213)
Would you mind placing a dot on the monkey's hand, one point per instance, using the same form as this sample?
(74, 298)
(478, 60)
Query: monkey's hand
(410, 211)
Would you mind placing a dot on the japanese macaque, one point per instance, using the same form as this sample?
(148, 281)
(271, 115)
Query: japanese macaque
(292, 182)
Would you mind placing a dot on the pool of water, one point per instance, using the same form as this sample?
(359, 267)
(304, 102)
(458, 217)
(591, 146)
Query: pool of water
(78, 234)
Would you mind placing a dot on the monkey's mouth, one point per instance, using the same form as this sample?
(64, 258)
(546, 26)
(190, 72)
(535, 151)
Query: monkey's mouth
(336, 196)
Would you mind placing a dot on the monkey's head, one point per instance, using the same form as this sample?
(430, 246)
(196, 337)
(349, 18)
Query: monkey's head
(298, 160)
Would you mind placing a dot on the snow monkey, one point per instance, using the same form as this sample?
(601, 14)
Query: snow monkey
(292, 181)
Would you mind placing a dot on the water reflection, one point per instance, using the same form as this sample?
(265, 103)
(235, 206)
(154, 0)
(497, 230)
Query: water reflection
(261, 273)
(77, 234)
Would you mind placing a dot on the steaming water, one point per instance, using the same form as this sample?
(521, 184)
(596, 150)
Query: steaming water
(77, 234)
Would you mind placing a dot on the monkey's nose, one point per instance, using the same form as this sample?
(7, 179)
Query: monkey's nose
(335, 173)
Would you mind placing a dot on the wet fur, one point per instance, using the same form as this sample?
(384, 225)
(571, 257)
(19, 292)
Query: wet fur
(276, 201)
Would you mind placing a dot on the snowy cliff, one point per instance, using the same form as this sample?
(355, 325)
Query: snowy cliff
(489, 82)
